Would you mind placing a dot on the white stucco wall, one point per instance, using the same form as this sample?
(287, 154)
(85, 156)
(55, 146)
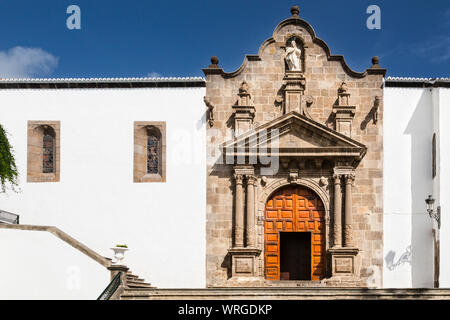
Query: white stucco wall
(408, 130)
(38, 265)
(96, 200)
(444, 168)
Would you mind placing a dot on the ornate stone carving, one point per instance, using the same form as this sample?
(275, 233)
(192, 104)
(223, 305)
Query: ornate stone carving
(252, 180)
(376, 106)
(349, 178)
(238, 178)
(244, 111)
(294, 87)
(323, 181)
(209, 112)
(293, 175)
(293, 57)
(263, 180)
(244, 95)
(343, 95)
(309, 100)
(279, 99)
(343, 112)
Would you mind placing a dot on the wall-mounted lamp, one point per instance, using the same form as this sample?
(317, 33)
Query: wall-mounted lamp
(434, 214)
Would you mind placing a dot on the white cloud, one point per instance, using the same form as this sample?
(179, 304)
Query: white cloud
(437, 49)
(154, 75)
(20, 62)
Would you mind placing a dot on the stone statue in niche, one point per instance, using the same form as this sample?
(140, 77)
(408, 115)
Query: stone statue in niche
(293, 57)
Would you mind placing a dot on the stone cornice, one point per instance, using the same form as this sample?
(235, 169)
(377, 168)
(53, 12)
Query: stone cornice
(345, 146)
(102, 83)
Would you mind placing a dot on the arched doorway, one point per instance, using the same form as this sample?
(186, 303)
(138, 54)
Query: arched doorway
(294, 235)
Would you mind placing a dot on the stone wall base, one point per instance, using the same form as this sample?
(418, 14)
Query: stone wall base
(285, 294)
(243, 263)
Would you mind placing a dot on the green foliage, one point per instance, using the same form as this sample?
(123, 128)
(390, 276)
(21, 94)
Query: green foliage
(121, 246)
(8, 168)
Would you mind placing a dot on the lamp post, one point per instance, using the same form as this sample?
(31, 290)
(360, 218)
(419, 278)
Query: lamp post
(434, 214)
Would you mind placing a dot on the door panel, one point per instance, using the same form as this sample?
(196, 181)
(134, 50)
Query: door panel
(294, 209)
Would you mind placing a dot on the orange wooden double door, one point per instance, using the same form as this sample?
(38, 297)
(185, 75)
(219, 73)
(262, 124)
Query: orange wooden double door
(294, 209)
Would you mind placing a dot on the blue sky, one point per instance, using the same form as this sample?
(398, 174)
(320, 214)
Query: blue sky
(136, 38)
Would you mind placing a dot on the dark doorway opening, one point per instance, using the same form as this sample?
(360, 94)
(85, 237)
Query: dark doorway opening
(295, 256)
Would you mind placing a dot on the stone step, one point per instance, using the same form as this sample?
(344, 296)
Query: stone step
(284, 293)
(137, 284)
(136, 280)
(130, 275)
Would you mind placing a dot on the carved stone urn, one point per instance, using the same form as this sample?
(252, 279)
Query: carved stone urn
(119, 254)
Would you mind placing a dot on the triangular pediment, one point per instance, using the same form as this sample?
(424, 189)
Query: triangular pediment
(295, 135)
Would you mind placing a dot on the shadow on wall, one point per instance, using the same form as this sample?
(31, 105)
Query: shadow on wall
(405, 257)
(420, 128)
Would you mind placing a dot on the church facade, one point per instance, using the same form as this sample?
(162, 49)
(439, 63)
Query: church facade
(319, 125)
(292, 171)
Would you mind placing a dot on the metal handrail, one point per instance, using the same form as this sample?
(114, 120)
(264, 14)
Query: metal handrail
(111, 288)
(8, 217)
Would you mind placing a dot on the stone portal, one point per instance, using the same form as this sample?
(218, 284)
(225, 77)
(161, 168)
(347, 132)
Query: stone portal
(290, 150)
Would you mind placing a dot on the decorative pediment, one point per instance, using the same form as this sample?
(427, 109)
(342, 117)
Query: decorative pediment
(294, 135)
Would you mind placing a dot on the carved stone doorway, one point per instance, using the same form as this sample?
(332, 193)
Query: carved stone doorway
(300, 210)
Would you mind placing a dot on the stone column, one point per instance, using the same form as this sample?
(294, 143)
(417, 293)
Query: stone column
(337, 211)
(251, 232)
(239, 204)
(348, 210)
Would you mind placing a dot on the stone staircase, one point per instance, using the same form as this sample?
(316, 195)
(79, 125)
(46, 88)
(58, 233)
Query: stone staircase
(134, 282)
(318, 293)
(122, 279)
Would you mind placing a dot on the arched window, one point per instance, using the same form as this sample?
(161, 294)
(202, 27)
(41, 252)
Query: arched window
(43, 159)
(48, 151)
(149, 151)
(153, 150)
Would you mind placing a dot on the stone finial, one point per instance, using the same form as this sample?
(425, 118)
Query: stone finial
(375, 62)
(244, 95)
(244, 88)
(343, 88)
(343, 95)
(295, 10)
(214, 62)
(243, 110)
